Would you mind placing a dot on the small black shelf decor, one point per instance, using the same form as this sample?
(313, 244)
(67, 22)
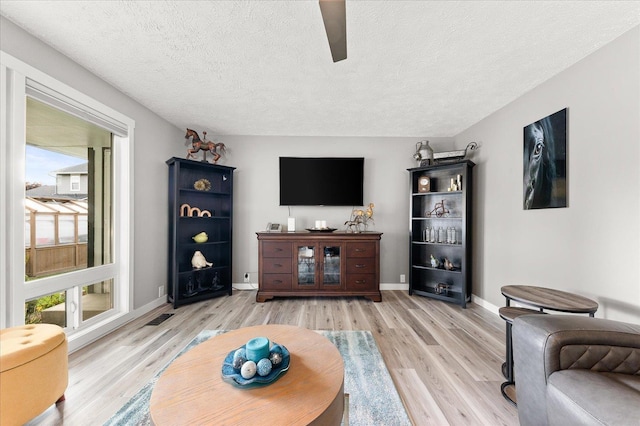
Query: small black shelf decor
(440, 231)
(200, 220)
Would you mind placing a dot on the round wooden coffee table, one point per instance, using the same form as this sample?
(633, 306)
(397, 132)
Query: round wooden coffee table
(191, 389)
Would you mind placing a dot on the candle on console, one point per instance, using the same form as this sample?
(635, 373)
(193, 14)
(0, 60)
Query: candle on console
(257, 348)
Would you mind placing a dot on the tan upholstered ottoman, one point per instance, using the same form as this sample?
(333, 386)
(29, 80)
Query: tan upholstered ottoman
(33, 371)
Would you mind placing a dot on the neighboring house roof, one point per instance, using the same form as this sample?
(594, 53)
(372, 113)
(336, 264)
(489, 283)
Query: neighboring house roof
(79, 168)
(49, 191)
(42, 191)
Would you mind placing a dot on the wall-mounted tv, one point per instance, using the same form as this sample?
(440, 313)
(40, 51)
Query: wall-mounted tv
(321, 181)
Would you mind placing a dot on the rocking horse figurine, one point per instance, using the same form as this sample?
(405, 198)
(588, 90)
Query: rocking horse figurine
(204, 145)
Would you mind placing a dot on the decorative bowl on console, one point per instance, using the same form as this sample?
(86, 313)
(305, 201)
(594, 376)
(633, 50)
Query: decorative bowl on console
(320, 229)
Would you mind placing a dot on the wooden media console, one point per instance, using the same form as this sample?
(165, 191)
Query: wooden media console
(319, 264)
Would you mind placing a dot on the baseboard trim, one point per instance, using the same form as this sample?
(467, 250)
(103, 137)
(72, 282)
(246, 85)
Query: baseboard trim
(244, 286)
(383, 286)
(394, 286)
(483, 303)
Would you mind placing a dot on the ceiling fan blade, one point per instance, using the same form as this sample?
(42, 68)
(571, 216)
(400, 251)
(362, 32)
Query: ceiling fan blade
(335, 24)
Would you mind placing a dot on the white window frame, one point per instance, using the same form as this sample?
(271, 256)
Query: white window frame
(14, 291)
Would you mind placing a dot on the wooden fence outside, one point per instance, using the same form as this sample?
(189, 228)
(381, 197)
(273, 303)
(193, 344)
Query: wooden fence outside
(55, 259)
(50, 255)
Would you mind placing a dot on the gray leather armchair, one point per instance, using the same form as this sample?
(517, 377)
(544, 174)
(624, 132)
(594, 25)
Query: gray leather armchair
(575, 370)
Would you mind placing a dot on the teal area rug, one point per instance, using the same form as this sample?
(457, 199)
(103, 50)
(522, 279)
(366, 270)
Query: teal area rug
(373, 399)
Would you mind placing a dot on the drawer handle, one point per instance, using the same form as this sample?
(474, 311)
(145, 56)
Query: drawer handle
(278, 249)
(361, 265)
(358, 250)
(277, 265)
(277, 281)
(361, 281)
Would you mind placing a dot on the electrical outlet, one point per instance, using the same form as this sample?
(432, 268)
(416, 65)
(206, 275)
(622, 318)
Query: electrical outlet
(402, 278)
(247, 277)
(161, 291)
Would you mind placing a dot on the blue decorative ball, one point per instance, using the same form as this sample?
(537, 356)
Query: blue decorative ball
(264, 367)
(239, 358)
(240, 353)
(238, 361)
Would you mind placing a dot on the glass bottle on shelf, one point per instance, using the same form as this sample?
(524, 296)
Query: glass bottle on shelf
(441, 235)
(432, 236)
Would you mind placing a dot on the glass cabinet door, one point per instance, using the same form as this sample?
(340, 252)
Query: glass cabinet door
(306, 266)
(318, 266)
(331, 262)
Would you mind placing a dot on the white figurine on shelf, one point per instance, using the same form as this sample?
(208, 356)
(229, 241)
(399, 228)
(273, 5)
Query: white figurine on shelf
(434, 262)
(198, 261)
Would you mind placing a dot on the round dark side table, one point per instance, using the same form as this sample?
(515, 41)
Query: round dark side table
(541, 299)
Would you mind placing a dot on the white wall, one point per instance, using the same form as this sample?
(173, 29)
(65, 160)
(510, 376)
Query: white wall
(592, 246)
(256, 192)
(155, 141)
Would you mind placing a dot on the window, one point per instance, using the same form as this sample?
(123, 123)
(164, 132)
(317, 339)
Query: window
(68, 262)
(75, 183)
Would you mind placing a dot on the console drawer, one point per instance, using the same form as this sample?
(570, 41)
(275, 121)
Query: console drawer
(362, 282)
(276, 265)
(361, 249)
(364, 265)
(276, 249)
(276, 282)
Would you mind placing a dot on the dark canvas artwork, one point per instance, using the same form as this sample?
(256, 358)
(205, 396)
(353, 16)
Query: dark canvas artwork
(545, 162)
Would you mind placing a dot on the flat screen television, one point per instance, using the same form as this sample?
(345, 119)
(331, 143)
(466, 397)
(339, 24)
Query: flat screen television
(321, 181)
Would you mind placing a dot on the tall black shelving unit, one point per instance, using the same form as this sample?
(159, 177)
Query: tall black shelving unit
(440, 200)
(200, 200)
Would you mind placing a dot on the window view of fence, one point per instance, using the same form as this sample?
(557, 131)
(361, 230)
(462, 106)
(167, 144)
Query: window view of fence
(55, 236)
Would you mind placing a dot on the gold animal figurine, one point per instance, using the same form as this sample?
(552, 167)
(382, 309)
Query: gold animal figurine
(360, 218)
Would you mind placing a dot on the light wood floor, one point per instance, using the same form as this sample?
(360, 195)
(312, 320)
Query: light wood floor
(445, 361)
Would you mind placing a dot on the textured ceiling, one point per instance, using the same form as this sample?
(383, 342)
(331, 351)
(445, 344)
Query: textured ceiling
(414, 68)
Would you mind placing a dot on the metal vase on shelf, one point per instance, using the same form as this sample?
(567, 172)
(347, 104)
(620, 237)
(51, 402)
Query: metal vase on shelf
(424, 153)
